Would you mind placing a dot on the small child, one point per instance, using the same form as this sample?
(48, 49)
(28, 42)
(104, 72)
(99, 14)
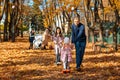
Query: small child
(66, 56)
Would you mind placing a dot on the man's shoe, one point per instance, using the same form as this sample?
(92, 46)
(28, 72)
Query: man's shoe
(81, 66)
(78, 69)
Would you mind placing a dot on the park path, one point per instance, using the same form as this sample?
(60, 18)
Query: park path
(19, 63)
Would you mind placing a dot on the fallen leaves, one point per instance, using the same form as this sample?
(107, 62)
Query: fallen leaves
(19, 63)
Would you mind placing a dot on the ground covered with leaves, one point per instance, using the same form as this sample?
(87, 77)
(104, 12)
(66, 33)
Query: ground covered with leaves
(17, 62)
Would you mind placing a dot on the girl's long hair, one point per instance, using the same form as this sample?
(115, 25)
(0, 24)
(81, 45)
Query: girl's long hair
(59, 33)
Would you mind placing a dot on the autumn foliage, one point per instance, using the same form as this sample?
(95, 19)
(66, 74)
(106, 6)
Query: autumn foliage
(19, 63)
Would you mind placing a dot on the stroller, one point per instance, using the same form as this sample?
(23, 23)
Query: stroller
(37, 41)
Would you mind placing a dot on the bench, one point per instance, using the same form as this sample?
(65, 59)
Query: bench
(99, 47)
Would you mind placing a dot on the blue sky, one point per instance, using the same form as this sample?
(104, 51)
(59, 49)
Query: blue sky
(27, 2)
(30, 3)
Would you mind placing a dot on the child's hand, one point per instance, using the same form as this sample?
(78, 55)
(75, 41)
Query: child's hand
(72, 45)
(55, 42)
(63, 45)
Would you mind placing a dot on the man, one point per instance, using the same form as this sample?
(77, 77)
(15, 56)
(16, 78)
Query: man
(31, 38)
(79, 39)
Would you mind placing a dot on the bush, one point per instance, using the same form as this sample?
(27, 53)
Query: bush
(24, 28)
(2, 26)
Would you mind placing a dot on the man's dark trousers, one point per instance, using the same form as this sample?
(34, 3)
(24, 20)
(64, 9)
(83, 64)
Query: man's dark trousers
(80, 48)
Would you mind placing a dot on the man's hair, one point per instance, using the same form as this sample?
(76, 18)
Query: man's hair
(77, 17)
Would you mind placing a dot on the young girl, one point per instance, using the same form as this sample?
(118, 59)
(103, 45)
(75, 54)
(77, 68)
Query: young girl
(58, 38)
(66, 56)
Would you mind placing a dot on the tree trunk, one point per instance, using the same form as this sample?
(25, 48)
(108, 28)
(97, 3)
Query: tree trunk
(115, 37)
(5, 36)
(17, 30)
(93, 39)
(10, 27)
(86, 29)
(3, 10)
(86, 18)
(15, 19)
(101, 32)
(0, 35)
(96, 11)
(116, 23)
(101, 35)
(21, 33)
(13, 31)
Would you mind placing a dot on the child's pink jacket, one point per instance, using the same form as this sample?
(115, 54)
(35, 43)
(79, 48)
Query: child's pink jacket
(64, 52)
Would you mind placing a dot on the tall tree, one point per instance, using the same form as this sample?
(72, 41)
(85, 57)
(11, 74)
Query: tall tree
(115, 4)
(5, 37)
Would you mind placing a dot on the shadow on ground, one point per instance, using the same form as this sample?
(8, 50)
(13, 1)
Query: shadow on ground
(39, 65)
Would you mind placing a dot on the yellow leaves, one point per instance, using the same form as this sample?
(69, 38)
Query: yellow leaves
(19, 63)
(56, 7)
(48, 16)
(1, 9)
(37, 1)
(107, 10)
(77, 3)
(115, 4)
(91, 3)
(111, 8)
(118, 5)
(69, 9)
(24, 26)
(45, 22)
(116, 1)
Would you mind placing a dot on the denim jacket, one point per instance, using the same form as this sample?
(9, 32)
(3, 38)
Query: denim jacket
(78, 33)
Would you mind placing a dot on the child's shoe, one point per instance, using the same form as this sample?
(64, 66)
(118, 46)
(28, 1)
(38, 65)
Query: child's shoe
(68, 71)
(64, 71)
(58, 63)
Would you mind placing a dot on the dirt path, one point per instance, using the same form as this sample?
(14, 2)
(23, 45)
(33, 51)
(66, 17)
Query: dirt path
(19, 63)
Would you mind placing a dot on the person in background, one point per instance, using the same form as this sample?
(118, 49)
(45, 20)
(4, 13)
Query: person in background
(57, 39)
(31, 38)
(66, 56)
(46, 38)
(67, 32)
(79, 40)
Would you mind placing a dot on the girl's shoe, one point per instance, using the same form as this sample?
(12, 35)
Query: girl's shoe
(68, 71)
(58, 63)
(63, 71)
